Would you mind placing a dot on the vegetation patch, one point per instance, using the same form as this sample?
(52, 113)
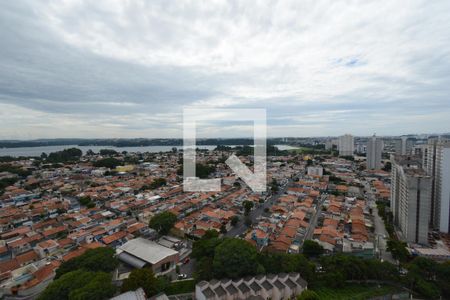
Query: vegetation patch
(354, 291)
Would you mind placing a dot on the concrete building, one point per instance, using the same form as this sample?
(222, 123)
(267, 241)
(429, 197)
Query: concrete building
(315, 171)
(410, 198)
(140, 253)
(374, 151)
(346, 145)
(361, 148)
(436, 161)
(275, 287)
(403, 146)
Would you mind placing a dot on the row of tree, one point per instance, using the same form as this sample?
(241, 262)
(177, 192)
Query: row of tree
(84, 277)
(234, 258)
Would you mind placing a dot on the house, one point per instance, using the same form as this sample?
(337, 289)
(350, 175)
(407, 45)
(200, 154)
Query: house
(47, 248)
(116, 239)
(260, 237)
(275, 287)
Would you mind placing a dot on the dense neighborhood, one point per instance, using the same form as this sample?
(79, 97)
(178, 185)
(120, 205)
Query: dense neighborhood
(323, 220)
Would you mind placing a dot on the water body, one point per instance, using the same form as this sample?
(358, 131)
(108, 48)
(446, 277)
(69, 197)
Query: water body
(36, 151)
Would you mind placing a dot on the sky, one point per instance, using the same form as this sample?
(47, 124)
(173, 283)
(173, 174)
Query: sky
(126, 69)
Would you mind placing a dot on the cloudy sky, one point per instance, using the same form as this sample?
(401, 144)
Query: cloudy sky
(127, 68)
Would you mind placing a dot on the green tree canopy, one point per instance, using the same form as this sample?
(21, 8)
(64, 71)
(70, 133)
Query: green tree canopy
(66, 155)
(108, 152)
(234, 258)
(398, 250)
(108, 162)
(145, 279)
(99, 259)
(80, 285)
(234, 220)
(312, 248)
(158, 182)
(205, 247)
(163, 222)
(248, 205)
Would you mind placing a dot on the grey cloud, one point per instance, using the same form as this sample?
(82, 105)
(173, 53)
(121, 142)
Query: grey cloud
(333, 65)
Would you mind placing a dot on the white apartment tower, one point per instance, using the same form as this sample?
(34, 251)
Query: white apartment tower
(374, 151)
(346, 145)
(410, 198)
(436, 161)
(403, 146)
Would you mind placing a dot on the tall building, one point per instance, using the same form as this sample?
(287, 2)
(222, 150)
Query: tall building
(436, 161)
(403, 146)
(346, 145)
(374, 151)
(410, 198)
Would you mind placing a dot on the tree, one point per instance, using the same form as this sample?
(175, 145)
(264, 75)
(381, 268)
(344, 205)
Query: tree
(163, 222)
(398, 250)
(85, 200)
(308, 295)
(223, 229)
(158, 182)
(234, 258)
(99, 259)
(248, 221)
(80, 284)
(312, 248)
(334, 279)
(274, 185)
(108, 152)
(143, 278)
(248, 205)
(66, 155)
(234, 220)
(201, 170)
(99, 287)
(109, 162)
(206, 246)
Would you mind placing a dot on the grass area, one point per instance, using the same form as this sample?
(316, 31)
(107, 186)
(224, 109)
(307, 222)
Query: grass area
(180, 287)
(300, 150)
(354, 292)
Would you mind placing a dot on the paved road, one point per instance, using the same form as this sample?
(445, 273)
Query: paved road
(257, 212)
(313, 223)
(188, 268)
(381, 234)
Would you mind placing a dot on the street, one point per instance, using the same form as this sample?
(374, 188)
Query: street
(381, 234)
(257, 212)
(313, 223)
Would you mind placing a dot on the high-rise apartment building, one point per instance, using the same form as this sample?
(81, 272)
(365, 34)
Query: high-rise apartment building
(403, 146)
(374, 151)
(436, 161)
(346, 145)
(410, 198)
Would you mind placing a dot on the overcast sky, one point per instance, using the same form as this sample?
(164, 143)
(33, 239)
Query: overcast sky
(127, 68)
